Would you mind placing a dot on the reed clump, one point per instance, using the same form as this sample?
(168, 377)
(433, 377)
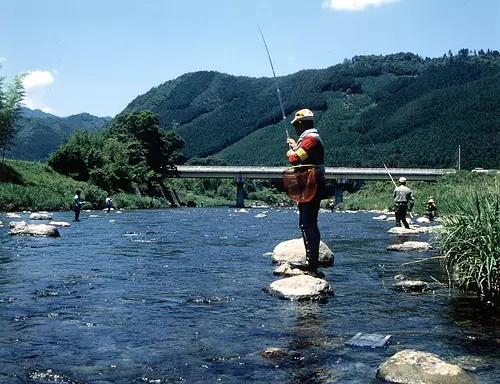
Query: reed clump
(470, 243)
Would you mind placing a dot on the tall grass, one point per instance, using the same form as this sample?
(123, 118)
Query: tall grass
(471, 243)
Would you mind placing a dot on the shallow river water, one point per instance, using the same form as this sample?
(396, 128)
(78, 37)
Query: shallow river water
(165, 296)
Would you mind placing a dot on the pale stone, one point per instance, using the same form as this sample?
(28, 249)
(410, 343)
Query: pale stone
(411, 286)
(261, 215)
(423, 220)
(414, 367)
(381, 217)
(409, 246)
(60, 223)
(303, 287)
(22, 228)
(295, 251)
(13, 215)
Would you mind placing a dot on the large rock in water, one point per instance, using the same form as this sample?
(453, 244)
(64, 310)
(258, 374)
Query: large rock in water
(408, 246)
(300, 288)
(40, 216)
(22, 228)
(294, 251)
(415, 367)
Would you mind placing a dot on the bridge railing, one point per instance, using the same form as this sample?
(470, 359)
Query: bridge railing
(341, 173)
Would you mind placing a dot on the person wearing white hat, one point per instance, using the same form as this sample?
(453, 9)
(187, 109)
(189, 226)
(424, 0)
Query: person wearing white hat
(431, 208)
(403, 202)
(308, 150)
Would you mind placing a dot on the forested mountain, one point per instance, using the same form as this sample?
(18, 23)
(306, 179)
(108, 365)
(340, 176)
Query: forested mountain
(40, 134)
(416, 111)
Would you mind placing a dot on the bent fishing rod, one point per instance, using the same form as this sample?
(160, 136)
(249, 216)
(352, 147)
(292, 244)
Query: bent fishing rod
(276, 84)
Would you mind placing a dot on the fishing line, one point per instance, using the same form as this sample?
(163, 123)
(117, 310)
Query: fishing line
(378, 153)
(276, 84)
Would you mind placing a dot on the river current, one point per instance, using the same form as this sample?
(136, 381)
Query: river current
(176, 295)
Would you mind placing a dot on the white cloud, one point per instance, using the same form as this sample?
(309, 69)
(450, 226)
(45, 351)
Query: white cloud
(55, 72)
(34, 83)
(37, 79)
(2, 59)
(354, 5)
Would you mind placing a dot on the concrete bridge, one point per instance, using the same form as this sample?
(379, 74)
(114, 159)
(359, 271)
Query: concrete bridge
(340, 175)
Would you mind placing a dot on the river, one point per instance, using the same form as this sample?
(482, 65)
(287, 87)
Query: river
(176, 295)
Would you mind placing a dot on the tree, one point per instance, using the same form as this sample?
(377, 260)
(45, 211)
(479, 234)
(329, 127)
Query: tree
(10, 111)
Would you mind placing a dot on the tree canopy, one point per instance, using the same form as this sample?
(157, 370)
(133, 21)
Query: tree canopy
(132, 154)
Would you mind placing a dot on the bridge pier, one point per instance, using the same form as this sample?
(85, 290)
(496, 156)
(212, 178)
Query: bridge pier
(240, 192)
(339, 190)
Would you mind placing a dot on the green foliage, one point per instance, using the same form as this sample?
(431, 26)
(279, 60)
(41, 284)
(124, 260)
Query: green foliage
(35, 186)
(40, 134)
(10, 112)
(132, 154)
(471, 244)
(416, 111)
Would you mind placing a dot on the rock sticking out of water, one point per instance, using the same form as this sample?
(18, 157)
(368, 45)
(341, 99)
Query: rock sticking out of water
(286, 270)
(40, 216)
(411, 286)
(24, 229)
(414, 229)
(295, 251)
(60, 223)
(301, 288)
(409, 246)
(411, 366)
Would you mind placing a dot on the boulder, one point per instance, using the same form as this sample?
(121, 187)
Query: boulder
(381, 217)
(423, 220)
(301, 288)
(414, 367)
(60, 223)
(22, 228)
(411, 286)
(40, 216)
(295, 251)
(286, 270)
(409, 246)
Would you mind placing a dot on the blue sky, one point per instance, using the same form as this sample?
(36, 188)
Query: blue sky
(96, 56)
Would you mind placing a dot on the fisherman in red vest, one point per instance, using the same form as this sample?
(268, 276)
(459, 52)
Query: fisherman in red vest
(308, 150)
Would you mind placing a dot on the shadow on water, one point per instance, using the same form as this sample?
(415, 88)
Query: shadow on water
(176, 295)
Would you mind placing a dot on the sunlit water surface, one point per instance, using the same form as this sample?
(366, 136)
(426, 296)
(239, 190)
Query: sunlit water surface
(176, 295)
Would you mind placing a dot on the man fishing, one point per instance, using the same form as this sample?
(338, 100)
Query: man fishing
(308, 150)
(403, 202)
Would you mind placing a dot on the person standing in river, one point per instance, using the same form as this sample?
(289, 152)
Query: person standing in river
(403, 202)
(77, 204)
(308, 150)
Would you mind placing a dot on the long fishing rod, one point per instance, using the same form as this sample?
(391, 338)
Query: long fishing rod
(382, 160)
(276, 84)
(378, 153)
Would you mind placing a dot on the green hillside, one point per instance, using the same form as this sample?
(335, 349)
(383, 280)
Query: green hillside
(40, 134)
(416, 111)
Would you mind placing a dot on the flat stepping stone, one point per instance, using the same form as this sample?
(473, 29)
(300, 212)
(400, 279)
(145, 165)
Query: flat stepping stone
(40, 216)
(411, 366)
(24, 229)
(408, 246)
(300, 288)
(294, 251)
(286, 270)
(372, 340)
(411, 286)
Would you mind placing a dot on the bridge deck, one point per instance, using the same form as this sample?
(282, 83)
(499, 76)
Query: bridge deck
(332, 173)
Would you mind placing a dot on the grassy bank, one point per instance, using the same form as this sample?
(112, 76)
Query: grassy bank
(30, 186)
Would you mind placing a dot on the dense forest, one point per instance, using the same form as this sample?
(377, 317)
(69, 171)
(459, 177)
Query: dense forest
(401, 109)
(39, 133)
(416, 111)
